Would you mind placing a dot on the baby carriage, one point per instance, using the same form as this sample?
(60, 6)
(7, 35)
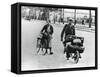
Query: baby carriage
(75, 47)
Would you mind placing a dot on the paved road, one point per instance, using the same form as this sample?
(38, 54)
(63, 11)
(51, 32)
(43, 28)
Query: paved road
(33, 61)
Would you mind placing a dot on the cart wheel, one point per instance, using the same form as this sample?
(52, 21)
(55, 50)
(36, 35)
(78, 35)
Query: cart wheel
(76, 58)
(38, 49)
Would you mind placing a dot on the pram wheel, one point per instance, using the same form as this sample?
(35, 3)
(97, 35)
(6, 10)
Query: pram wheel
(76, 56)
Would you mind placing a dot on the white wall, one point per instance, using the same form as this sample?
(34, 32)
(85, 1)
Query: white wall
(5, 40)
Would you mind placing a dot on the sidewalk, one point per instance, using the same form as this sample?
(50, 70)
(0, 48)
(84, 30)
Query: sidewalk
(85, 28)
(79, 27)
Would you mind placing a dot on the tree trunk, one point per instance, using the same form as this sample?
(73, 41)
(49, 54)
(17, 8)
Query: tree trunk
(63, 15)
(90, 19)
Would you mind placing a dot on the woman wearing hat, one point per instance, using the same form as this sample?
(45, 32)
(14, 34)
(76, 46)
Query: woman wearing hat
(48, 30)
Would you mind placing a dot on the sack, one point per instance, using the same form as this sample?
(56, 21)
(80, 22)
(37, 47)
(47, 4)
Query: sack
(68, 38)
(76, 41)
(73, 48)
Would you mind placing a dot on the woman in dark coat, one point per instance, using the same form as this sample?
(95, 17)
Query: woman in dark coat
(48, 31)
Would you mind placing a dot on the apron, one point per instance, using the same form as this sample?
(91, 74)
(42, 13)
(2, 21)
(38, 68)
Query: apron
(49, 39)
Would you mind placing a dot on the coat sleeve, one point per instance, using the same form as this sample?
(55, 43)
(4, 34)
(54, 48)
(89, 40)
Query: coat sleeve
(62, 33)
(52, 31)
(43, 28)
(73, 30)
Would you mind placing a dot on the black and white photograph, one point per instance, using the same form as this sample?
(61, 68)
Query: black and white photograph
(54, 38)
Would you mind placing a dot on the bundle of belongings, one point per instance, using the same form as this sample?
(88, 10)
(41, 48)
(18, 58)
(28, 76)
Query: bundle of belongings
(76, 43)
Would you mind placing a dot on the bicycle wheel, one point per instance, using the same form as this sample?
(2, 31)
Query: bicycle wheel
(76, 58)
